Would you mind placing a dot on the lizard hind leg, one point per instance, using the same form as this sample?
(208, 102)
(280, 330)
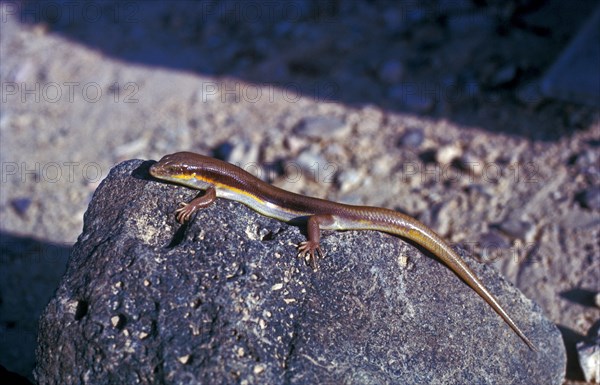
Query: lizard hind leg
(311, 251)
(311, 248)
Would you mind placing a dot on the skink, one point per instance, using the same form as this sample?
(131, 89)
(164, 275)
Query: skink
(220, 179)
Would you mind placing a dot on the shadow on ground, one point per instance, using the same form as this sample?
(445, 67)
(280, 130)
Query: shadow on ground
(468, 62)
(30, 270)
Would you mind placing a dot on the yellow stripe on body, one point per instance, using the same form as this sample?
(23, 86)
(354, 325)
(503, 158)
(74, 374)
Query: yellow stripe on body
(253, 201)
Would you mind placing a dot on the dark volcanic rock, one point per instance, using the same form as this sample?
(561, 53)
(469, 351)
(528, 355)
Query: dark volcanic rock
(224, 300)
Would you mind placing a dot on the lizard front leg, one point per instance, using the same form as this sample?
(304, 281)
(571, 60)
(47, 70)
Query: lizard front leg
(203, 200)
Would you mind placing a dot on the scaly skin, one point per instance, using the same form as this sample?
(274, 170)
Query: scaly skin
(223, 180)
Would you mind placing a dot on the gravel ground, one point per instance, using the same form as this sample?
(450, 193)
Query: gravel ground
(427, 108)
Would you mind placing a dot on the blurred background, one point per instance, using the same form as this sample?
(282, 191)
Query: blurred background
(480, 118)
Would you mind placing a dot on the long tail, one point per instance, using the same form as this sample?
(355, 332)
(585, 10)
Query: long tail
(404, 226)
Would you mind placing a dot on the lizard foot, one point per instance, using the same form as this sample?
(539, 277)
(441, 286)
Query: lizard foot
(311, 251)
(184, 212)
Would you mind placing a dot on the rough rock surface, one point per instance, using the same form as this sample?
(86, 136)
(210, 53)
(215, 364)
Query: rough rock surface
(224, 300)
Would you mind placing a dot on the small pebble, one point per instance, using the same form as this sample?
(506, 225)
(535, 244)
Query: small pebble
(20, 205)
(258, 369)
(493, 246)
(589, 359)
(413, 137)
(294, 143)
(277, 286)
(117, 321)
(447, 154)
(184, 359)
(587, 158)
(471, 164)
(348, 179)
(131, 148)
(223, 151)
(515, 228)
(312, 165)
(321, 127)
(590, 198)
(240, 152)
(493, 239)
